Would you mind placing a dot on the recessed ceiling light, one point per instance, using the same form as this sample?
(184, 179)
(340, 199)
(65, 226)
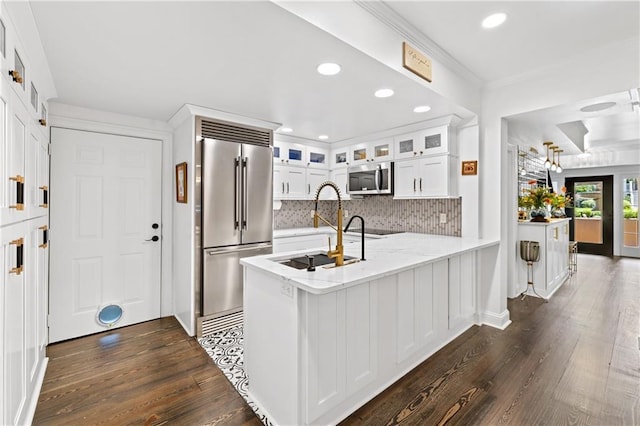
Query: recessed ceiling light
(286, 129)
(422, 108)
(598, 107)
(323, 137)
(384, 93)
(328, 68)
(494, 20)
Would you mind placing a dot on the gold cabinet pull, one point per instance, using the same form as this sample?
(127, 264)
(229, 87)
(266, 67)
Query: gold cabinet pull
(15, 75)
(42, 122)
(19, 243)
(45, 196)
(45, 236)
(19, 180)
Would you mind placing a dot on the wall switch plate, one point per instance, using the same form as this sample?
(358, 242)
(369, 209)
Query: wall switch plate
(443, 218)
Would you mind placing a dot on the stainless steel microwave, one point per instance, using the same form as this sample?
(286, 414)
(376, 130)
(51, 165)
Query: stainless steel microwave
(371, 179)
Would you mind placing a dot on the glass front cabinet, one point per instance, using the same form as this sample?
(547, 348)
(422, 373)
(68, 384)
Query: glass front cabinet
(425, 142)
(370, 152)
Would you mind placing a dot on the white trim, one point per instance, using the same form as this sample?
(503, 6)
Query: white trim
(499, 321)
(389, 17)
(188, 111)
(72, 117)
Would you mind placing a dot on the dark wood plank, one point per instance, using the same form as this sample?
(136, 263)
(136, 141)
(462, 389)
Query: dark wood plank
(574, 360)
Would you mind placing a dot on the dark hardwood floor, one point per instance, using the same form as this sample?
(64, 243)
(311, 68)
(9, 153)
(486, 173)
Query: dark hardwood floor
(574, 360)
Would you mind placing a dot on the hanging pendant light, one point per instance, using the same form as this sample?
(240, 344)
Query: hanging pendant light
(553, 166)
(547, 163)
(559, 167)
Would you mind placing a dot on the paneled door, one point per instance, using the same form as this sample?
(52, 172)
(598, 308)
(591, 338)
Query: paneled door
(105, 240)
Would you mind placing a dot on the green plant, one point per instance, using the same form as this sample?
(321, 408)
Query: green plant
(582, 212)
(630, 213)
(626, 204)
(596, 213)
(588, 203)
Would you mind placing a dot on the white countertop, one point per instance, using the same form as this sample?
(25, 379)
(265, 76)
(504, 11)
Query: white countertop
(385, 256)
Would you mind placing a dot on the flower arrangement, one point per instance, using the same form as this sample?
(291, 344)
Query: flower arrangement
(535, 197)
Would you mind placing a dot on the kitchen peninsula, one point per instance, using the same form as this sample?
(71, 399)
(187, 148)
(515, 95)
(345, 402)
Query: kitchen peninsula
(320, 344)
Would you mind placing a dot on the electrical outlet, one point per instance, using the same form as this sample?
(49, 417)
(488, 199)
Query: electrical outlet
(346, 213)
(443, 218)
(287, 290)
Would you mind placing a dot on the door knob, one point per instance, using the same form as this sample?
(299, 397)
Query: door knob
(155, 226)
(154, 238)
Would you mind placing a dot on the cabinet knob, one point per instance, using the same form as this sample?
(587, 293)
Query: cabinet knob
(15, 75)
(420, 152)
(415, 153)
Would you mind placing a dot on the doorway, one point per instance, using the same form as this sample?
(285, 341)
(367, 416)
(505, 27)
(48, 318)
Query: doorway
(105, 232)
(630, 228)
(592, 213)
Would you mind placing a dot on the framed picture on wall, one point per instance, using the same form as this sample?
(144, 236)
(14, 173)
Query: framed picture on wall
(181, 183)
(469, 168)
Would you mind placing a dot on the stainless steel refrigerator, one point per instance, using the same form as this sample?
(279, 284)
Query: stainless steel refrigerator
(237, 218)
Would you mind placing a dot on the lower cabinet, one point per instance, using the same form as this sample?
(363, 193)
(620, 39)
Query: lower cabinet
(329, 353)
(552, 269)
(23, 310)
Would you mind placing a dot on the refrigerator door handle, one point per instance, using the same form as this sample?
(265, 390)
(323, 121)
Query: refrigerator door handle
(245, 190)
(236, 177)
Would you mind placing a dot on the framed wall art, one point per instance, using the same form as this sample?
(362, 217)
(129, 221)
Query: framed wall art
(181, 183)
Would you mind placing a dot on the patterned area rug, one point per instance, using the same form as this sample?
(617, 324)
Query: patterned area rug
(226, 350)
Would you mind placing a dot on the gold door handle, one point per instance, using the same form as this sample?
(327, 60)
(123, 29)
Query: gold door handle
(45, 236)
(45, 196)
(19, 180)
(19, 243)
(555, 233)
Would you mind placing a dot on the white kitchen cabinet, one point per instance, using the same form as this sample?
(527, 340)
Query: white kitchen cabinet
(462, 291)
(372, 151)
(437, 140)
(427, 176)
(289, 183)
(339, 158)
(340, 177)
(291, 154)
(317, 158)
(315, 177)
(552, 270)
(14, 140)
(14, 287)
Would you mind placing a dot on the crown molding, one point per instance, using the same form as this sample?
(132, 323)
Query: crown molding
(389, 17)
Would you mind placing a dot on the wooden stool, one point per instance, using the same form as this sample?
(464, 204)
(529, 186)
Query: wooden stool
(573, 257)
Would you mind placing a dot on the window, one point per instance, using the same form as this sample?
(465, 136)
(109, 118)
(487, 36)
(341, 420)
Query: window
(34, 97)
(20, 68)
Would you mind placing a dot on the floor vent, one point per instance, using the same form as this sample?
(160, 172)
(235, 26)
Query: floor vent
(214, 325)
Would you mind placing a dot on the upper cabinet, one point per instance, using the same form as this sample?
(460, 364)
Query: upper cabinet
(425, 142)
(290, 154)
(339, 158)
(369, 152)
(317, 157)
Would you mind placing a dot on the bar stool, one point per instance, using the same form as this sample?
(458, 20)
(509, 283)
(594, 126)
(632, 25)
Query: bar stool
(573, 257)
(530, 252)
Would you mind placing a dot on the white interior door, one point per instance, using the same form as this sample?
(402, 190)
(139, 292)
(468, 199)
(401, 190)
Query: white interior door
(105, 200)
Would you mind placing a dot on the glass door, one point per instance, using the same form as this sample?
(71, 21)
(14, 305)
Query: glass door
(630, 228)
(592, 213)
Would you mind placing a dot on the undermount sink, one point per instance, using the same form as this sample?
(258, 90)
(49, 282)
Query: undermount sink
(302, 262)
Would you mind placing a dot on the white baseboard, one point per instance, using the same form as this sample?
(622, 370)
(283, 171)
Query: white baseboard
(500, 321)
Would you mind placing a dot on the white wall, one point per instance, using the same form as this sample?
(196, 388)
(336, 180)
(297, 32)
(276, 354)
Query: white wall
(469, 186)
(72, 117)
(616, 69)
(184, 230)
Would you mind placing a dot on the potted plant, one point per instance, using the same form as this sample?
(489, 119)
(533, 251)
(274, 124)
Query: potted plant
(536, 198)
(630, 224)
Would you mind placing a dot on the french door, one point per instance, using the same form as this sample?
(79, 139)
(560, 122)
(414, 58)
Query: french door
(592, 213)
(630, 225)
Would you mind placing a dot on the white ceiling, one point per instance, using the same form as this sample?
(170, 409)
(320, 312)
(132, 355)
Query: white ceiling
(147, 59)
